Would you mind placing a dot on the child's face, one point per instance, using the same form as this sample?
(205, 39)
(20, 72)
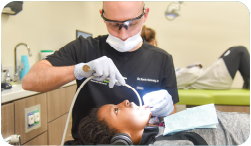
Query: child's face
(125, 117)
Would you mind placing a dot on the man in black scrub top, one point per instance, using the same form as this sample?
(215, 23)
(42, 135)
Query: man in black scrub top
(122, 55)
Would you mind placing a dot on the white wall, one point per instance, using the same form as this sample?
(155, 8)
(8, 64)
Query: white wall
(43, 26)
(201, 34)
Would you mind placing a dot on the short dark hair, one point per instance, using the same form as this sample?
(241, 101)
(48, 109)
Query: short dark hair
(95, 131)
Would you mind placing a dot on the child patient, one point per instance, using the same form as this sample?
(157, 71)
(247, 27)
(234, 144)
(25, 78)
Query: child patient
(103, 123)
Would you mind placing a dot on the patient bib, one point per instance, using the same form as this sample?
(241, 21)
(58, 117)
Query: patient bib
(197, 117)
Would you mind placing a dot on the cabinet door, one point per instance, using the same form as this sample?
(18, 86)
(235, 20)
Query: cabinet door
(70, 93)
(56, 130)
(20, 106)
(59, 101)
(56, 100)
(7, 120)
(40, 140)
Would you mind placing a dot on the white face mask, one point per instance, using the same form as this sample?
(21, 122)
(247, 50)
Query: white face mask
(124, 46)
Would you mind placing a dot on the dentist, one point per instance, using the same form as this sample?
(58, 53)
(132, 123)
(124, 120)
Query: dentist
(121, 55)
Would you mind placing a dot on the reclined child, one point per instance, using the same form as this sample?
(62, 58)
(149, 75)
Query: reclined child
(103, 124)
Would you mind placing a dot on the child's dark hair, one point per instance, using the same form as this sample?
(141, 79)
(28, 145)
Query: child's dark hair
(93, 131)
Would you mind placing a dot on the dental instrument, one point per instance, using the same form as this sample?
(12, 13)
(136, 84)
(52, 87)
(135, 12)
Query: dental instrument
(75, 97)
(140, 102)
(117, 83)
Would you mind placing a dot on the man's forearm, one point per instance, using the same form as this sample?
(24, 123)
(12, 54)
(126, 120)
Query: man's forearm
(44, 77)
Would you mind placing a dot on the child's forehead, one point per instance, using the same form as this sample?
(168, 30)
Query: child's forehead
(106, 106)
(105, 109)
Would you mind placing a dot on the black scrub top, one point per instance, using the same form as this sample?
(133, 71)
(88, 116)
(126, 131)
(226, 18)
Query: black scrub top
(147, 69)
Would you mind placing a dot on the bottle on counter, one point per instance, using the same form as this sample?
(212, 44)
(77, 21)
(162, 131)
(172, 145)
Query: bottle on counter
(25, 67)
(44, 53)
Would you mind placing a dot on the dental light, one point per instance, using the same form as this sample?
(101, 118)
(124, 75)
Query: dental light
(74, 99)
(172, 10)
(13, 8)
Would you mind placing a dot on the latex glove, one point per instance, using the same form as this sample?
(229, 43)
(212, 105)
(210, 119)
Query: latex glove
(160, 102)
(102, 68)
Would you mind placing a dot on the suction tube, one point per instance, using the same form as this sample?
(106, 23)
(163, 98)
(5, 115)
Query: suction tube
(74, 99)
(140, 102)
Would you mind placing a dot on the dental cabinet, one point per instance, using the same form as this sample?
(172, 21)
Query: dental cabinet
(53, 110)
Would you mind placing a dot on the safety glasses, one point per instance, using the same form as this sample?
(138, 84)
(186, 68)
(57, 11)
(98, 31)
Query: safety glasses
(127, 24)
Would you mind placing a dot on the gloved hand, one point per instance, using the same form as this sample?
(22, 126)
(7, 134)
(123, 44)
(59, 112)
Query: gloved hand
(160, 102)
(102, 68)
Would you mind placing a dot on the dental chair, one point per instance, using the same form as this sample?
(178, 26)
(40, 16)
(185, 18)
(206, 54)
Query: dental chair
(117, 139)
(150, 136)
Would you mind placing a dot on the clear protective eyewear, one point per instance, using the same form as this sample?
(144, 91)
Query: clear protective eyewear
(127, 24)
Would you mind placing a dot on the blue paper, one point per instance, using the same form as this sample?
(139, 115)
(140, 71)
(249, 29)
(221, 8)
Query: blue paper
(198, 117)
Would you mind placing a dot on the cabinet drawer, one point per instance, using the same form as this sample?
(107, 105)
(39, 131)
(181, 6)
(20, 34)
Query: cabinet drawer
(56, 130)
(7, 120)
(40, 140)
(20, 106)
(70, 93)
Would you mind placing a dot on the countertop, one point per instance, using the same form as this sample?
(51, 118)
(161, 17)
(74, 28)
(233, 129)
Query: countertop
(17, 92)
